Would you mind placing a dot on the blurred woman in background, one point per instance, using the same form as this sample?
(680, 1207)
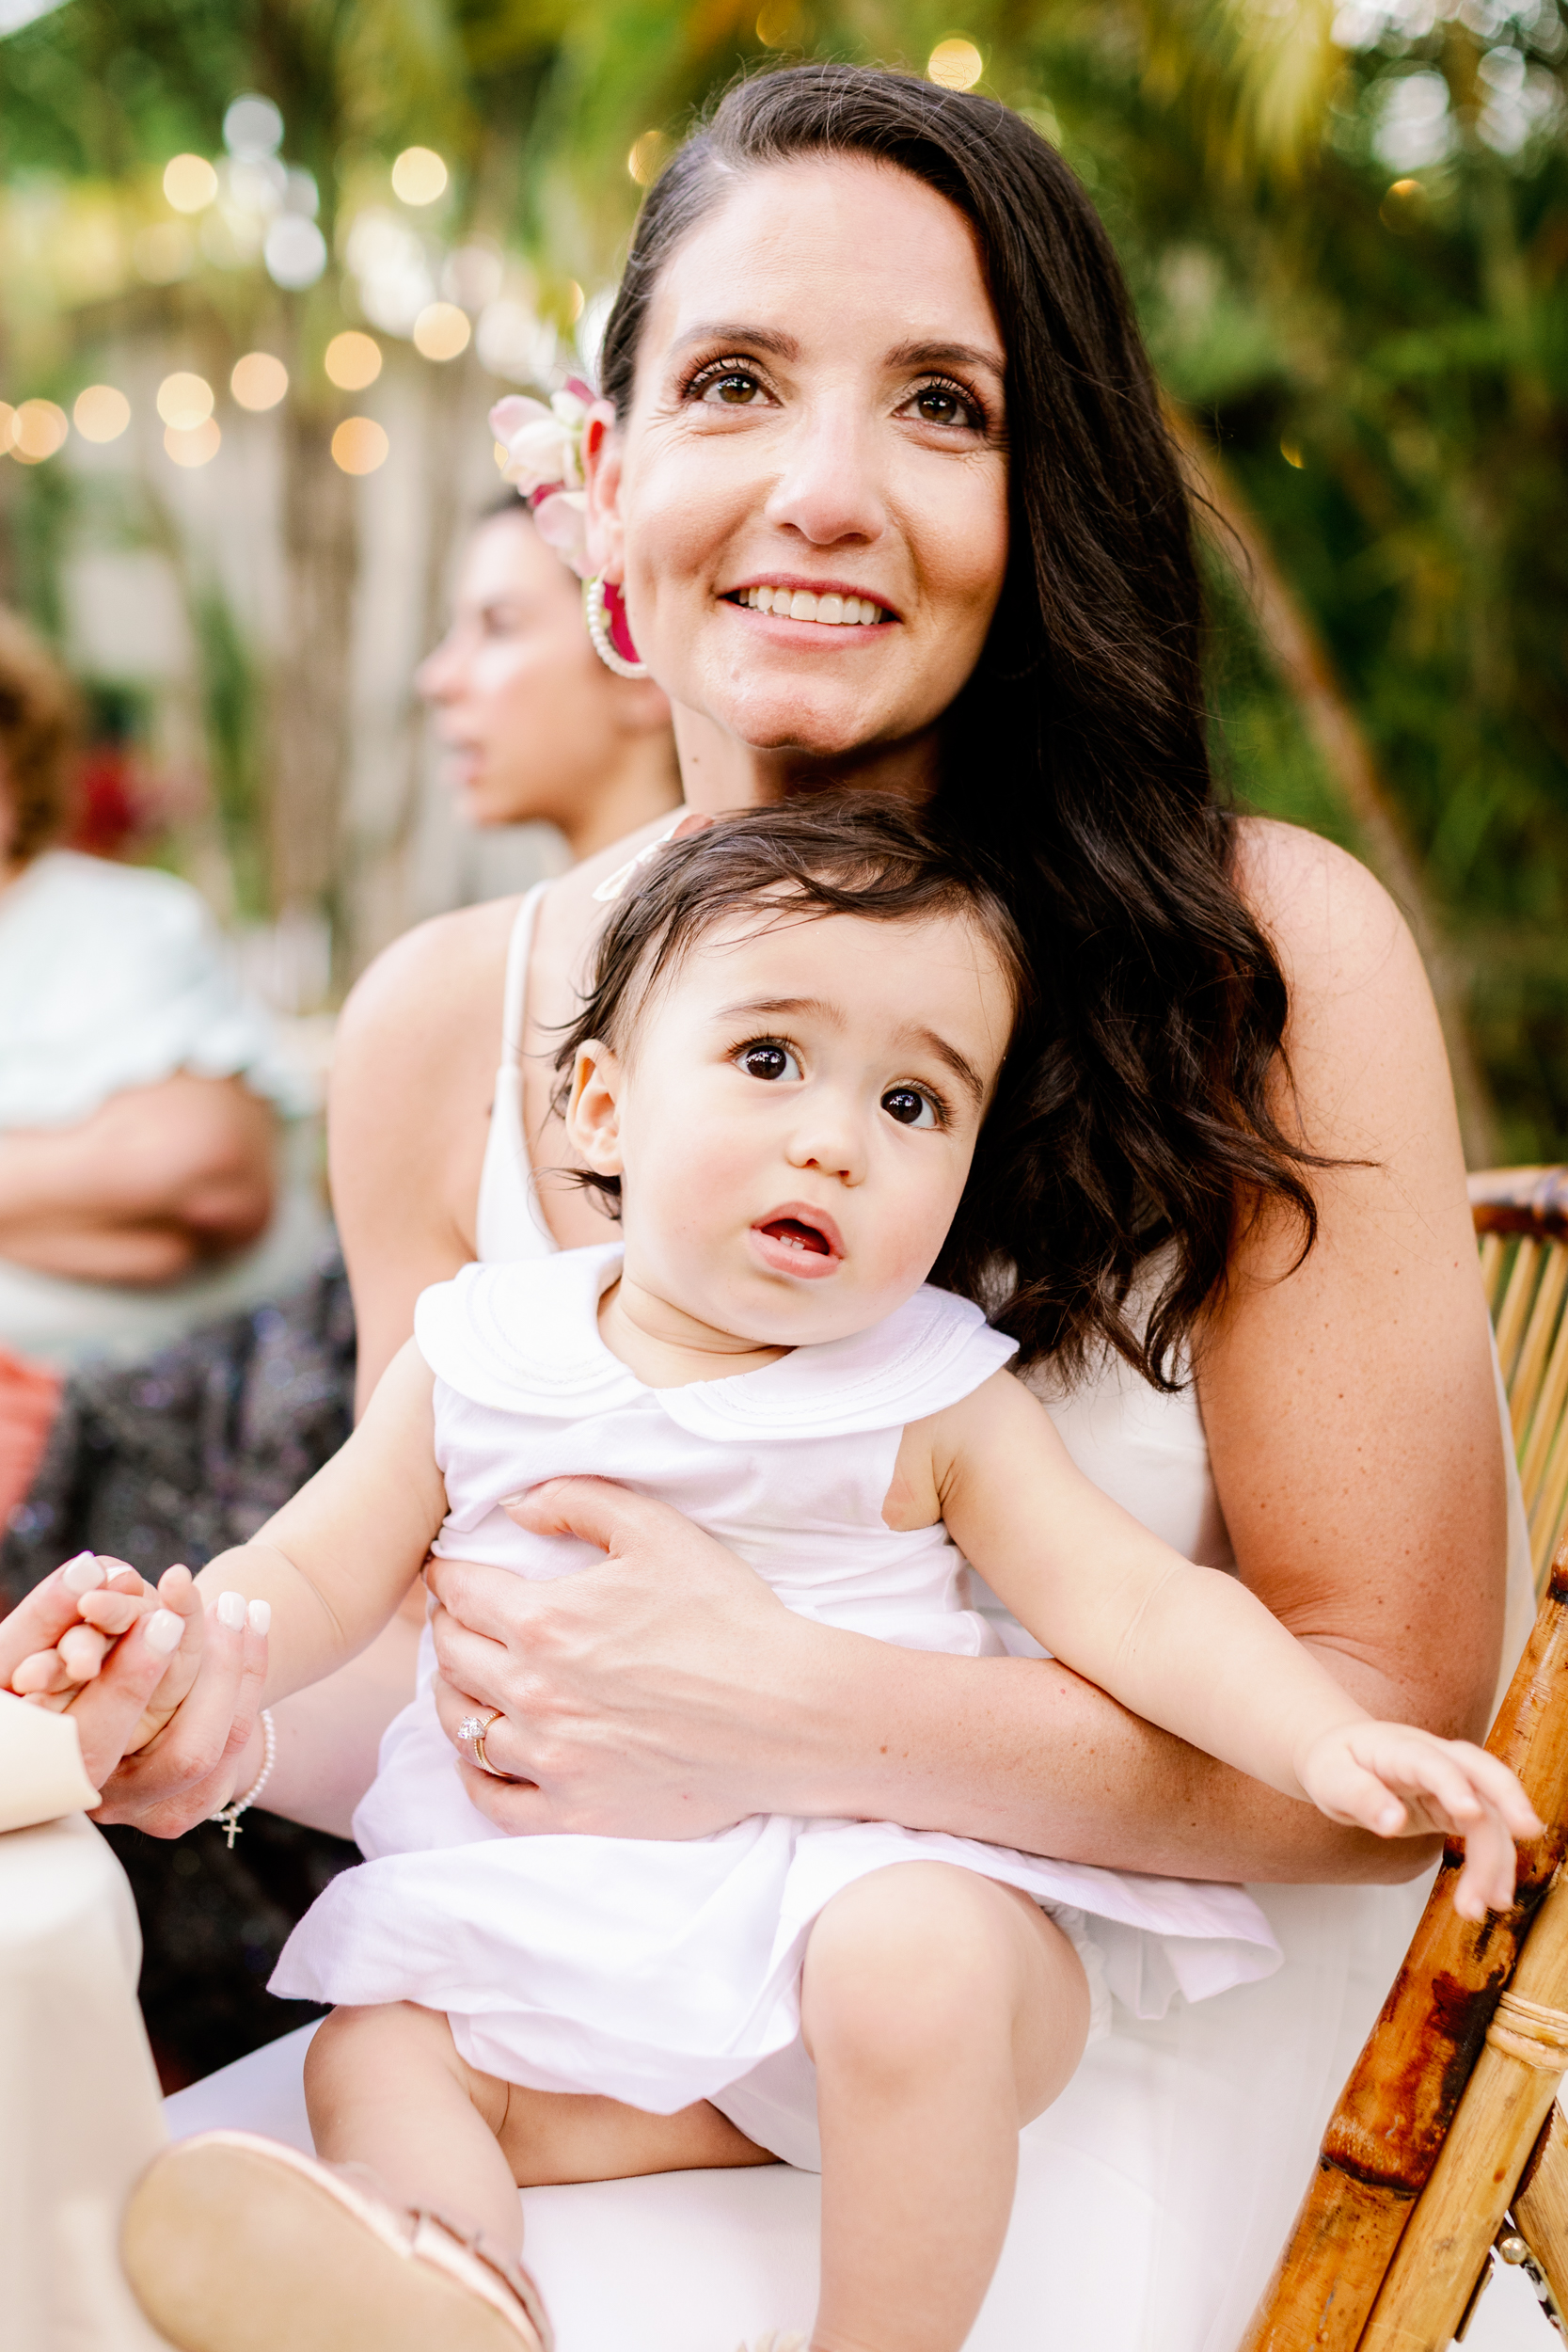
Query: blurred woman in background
(533, 725)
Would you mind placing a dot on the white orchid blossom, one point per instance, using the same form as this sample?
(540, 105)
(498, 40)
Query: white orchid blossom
(544, 446)
(561, 518)
(543, 463)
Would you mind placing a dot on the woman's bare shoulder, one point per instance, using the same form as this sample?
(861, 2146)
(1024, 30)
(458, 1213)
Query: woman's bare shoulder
(408, 1003)
(1330, 920)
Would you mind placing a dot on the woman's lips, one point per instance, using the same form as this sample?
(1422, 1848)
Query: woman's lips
(805, 1246)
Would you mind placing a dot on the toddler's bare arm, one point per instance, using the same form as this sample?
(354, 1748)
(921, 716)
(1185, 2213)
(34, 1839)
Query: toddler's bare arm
(1191, 1649)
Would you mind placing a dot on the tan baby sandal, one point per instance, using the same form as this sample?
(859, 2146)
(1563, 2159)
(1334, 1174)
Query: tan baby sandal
(236, 2244)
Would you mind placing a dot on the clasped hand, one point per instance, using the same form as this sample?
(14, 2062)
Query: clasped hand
(164, 1693)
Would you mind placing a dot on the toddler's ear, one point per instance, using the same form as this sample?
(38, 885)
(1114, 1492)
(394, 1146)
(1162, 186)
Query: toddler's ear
(593, 1108)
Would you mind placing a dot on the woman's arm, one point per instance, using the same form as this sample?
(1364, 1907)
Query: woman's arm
(157, 1179)
(1356, 1448)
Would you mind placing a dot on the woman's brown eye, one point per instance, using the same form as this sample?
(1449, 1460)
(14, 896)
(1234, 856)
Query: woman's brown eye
(939, 408)
(736, 392)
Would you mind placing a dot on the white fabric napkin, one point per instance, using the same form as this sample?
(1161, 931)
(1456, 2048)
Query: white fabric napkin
(40, 1766)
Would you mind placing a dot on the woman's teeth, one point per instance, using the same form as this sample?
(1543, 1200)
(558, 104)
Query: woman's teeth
(800, 604)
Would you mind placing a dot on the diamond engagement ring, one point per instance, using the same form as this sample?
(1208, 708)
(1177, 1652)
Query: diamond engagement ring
(473, 1728)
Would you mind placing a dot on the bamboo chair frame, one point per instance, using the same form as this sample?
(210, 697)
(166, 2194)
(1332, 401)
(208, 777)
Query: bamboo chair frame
(1447, 2125)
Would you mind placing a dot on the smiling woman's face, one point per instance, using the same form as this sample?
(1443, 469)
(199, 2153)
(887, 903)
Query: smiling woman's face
(818, 409)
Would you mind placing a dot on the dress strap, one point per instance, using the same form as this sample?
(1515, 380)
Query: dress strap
(514, 991)
(508, 1221)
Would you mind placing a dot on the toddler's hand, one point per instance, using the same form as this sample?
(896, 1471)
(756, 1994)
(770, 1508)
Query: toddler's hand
(1399, 1782)
(108, 1597)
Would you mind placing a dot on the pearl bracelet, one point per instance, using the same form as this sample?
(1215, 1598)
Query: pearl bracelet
(228, 1817)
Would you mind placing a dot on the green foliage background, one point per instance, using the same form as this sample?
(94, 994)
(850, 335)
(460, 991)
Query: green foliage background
(1383, 374)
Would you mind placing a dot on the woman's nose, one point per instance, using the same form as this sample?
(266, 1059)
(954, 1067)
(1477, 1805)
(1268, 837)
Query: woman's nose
(828, 488)
(438, 678)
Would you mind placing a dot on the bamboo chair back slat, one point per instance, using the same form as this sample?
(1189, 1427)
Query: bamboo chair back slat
(1401, 2213)
(1521, 1218)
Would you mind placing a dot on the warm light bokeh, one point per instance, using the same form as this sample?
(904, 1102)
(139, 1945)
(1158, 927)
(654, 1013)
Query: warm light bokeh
(39, 429)
(259, 381)
(649, 154)
(352, 360)
(185, 401)
(360, 445)
(441, 331)
(196, 446)
(955, 63)
(190, 183)
(101, 413)
(419, 175)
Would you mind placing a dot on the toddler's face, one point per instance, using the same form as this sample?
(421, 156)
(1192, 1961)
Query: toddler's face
(794, 1120)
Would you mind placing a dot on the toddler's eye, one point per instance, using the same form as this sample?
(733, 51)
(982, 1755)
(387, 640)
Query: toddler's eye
(769, 1059)
(910, 1108)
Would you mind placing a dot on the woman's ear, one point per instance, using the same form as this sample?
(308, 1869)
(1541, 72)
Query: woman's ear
(601, 467)
(593, 1108)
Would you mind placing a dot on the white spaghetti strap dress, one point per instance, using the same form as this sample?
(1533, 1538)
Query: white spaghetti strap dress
(663, 1972)
(1154, 2194)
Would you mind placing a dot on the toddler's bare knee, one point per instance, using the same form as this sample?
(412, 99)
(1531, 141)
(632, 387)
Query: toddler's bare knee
(913, 1963)
(360, 2039)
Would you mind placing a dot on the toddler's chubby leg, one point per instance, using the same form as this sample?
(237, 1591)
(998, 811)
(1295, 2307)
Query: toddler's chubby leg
(386, 2087)
(943, 2011)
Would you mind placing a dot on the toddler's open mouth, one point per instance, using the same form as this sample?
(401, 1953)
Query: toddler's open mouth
(796, 1240)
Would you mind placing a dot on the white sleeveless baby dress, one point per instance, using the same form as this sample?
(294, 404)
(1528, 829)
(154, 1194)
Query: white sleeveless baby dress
(1154, 2194)
(660, 1972)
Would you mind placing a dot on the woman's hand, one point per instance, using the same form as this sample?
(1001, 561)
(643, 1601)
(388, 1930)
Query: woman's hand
(1401, 1782)
(636, 1695)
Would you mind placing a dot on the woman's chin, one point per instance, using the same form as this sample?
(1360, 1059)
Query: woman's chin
(810, 719)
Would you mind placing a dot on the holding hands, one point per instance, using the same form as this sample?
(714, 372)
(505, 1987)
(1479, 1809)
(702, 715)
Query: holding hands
(164, 1693)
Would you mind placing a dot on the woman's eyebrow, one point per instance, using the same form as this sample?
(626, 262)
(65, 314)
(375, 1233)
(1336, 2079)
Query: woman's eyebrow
(947, 355)
(725, 331)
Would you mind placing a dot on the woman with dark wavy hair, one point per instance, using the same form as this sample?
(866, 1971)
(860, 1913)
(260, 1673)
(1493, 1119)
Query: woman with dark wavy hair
(883, 496)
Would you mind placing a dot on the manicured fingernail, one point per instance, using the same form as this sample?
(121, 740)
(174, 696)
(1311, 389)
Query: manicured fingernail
(232, 1611)
(83, 1574)
(260, 1616)
(163, 1630)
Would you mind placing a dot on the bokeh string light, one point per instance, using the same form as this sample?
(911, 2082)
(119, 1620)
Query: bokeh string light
(39, 429)
(352, 360)
(360, 445)
(185, 401)
(101, 413)
(955, 63)
(419, 175)
(195, 446)
(190, 183)
(259, 381)
(441, 331)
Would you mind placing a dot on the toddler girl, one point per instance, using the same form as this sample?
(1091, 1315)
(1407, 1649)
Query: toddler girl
(801, 1073)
